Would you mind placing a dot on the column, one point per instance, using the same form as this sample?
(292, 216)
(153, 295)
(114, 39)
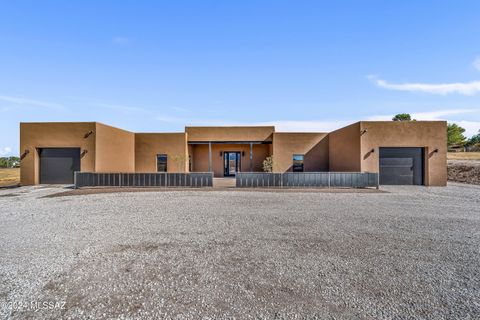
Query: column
(209, 157)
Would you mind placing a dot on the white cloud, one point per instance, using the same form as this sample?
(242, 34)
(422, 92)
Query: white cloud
(31, 102)
(5, 151)
(471, 127)
(463, 88)
(122, 41)
(305, 126)
(180, 109)
(476, 63)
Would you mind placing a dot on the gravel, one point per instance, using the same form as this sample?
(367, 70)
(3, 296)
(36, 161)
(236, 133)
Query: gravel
(412, 252)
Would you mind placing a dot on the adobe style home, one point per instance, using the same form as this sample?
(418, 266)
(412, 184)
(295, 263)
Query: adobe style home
(412, 152)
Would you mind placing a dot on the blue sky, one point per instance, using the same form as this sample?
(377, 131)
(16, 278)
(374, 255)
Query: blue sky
(153, 66)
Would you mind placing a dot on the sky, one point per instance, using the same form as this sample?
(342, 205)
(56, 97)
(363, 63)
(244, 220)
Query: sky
(157, 66)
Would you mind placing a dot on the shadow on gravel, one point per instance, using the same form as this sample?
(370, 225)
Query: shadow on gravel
(88, 191)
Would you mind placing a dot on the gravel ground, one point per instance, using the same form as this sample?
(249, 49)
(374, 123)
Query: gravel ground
(413, 252)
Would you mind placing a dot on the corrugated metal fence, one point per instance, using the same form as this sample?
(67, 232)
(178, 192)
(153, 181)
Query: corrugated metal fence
(156, 179)
(307, 179)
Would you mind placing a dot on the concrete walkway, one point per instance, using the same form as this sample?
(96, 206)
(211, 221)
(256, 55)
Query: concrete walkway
(224, 182)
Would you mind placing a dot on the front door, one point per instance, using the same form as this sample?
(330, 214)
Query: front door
(231, 162)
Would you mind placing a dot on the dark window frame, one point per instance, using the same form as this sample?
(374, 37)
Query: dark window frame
(161, 163)
(297, 166)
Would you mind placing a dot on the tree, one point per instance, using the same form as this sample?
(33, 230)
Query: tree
(9, 162)
(455, 135)
(474, 140)
(402, 117)
(268, 164)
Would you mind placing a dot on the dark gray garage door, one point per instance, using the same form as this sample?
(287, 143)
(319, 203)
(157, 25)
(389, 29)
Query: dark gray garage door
(57, 165)
(401, 166)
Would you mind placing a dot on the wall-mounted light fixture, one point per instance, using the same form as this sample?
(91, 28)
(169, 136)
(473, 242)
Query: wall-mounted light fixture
(435, 151)
(221, 153)
(24, 154)
(243, 153)
(84, 152)
(373, 150)
(363, 131)
(88, 134)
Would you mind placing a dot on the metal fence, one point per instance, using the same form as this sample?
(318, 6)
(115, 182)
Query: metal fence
(307, 179)
(156, 179)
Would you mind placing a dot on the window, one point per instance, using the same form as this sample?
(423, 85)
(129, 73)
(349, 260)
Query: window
(298, 163)
(161, 163)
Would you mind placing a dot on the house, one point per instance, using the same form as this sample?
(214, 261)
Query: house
(407, 152)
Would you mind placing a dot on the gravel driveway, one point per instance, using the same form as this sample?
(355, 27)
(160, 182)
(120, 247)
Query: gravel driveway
(413, 252)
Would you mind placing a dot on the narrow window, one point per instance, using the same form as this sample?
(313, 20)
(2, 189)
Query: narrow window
(161, 163)
(298, 163)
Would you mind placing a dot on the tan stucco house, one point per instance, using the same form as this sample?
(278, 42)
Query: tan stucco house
(412, 152)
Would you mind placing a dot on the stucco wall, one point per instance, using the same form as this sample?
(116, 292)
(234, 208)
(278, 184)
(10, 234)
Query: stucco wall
(344, 148)
(313, 145)
(229, 133)
(200, 157)
(54, 134)
(430, 135)
(148, 145)
(115, 149)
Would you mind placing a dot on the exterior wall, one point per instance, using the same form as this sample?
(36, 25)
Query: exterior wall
(229, 133)
(200, 157)
(344, 149)
(51, 135)
(313, 145)
(430, 135)
(148, 145)
(115, 149)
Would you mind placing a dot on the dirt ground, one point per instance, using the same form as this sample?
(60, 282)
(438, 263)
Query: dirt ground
(9, 176)
(463, 156)
(466, 171)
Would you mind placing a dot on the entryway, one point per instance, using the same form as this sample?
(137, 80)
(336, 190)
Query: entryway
(231, 162)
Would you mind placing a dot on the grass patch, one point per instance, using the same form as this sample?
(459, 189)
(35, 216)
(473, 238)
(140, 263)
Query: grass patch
(9, 176)
(463, 156)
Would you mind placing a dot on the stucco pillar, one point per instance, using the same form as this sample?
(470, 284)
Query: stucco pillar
(209, 157)
(251, 157)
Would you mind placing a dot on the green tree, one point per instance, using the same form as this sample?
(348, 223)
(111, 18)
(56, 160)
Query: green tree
(9, 162)
(474, 140)
(402, 117)
(455, 135)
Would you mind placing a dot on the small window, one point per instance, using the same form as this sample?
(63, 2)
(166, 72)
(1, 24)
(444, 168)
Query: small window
(298, 163)
(161, 163)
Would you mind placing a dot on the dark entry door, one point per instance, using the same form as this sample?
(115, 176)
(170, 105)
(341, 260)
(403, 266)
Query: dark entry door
(57, 165)
(231, 162)
(401, 166)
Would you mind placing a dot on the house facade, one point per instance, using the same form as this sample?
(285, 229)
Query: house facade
(412, 152)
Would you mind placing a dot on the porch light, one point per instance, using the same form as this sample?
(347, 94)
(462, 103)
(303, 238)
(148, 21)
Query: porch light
(435, 151)
(24, 154)
(243, 153)
(84, 152)
(88, 134)
(221, 153)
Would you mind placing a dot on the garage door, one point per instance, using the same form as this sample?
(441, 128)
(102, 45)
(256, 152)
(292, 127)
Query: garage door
(401, 166)
(57, 165)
